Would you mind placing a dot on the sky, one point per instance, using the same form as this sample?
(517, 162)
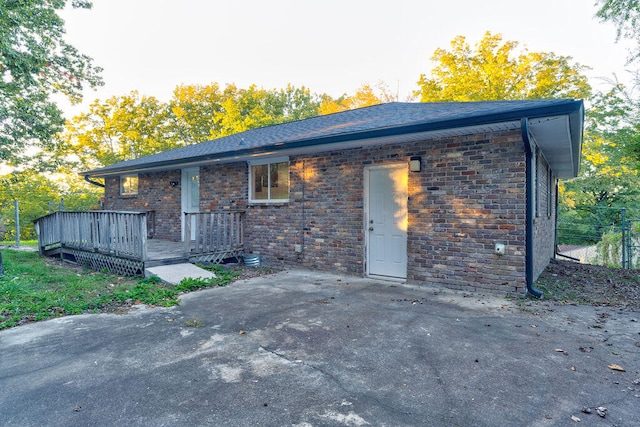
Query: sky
(329, 46)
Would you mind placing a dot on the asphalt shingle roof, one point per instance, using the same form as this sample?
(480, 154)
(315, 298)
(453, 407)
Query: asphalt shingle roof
(384, 119)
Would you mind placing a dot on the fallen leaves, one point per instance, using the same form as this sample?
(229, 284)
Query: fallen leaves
(615, 367)
(600, 410)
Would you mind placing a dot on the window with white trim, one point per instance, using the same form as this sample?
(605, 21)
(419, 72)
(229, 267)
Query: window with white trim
(269, 180)
(129, 185)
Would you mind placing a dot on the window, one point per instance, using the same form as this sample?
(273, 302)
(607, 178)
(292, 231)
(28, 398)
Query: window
(129, 185)
(269, 180)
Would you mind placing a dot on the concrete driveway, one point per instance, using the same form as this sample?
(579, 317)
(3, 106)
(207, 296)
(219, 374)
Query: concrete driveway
(307, 349)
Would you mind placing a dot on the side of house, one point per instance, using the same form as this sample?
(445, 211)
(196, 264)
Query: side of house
(460, 194)
(468, 196)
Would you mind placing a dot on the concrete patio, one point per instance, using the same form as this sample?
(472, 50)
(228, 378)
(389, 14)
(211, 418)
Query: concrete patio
(307, 349)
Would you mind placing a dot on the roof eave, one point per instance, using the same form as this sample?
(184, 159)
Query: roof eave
(335, 141)
(560, 140)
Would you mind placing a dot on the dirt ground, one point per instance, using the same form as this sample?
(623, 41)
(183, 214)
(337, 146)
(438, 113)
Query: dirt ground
(570, 282)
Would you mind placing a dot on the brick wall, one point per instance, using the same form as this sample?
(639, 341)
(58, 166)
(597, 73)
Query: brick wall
(324, 214)
(155, 193)
(544, 222)
(469, 196)
(224, 186)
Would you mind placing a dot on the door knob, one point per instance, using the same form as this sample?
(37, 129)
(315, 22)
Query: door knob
(370, 228)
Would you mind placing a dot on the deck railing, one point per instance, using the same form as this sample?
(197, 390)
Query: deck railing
(118, 233)
(217, 232)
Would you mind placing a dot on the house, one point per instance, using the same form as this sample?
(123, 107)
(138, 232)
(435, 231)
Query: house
(460, 194)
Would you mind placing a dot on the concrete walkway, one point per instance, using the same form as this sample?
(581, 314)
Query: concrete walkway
(173, 274)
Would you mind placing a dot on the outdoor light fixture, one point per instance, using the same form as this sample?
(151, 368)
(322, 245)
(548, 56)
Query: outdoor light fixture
(415, 164)
(173, 183)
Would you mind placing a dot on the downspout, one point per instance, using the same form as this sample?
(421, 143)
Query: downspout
(529, 210)
(90, 181)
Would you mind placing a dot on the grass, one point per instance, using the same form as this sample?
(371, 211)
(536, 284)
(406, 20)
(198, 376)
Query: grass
(32, 289)
(31, 243)
(558, 290)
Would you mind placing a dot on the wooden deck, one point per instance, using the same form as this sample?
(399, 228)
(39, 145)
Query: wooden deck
(119, 241)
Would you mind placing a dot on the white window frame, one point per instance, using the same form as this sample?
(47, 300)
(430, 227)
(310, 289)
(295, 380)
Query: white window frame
(269, 161)
(122, 180)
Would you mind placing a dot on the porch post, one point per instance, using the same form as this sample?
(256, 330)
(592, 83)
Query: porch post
(143, 236)
(186, 238)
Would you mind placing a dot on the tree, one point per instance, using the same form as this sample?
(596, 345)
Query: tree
(497, 71)
(195, 111)
(592, 203)
(133, 125)
(244, 109)
(120, 128)
(625, 15)
(37, 195)
(364, 97)
(36, 63)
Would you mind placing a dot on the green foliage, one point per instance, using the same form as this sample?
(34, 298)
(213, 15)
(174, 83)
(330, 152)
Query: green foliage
(364, 97)
(224, 276)
(496, 70)
(32, 290)
(625, 15)
(609, 250)
(37, 195)
(36, 63)
(608, 181)
(559, 291)
(120, 128)
(190, 284)
(131, 126)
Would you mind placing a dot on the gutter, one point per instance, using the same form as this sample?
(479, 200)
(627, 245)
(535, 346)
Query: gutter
(529, 211)
(90, 181)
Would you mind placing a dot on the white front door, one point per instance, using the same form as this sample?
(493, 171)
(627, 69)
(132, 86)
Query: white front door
(386, 220)
(190, 196)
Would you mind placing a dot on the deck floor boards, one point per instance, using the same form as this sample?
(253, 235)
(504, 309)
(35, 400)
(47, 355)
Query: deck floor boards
(164, 249)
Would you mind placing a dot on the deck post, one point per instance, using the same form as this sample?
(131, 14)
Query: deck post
(186, 238)
(40, 246)
(143, 236)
